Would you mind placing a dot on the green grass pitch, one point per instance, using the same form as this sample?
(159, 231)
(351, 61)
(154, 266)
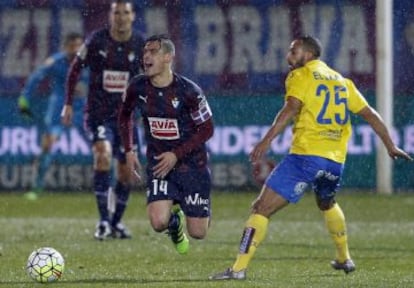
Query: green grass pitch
(295, 253)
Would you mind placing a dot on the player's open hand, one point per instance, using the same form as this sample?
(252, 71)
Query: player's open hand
(396, 153)
(259, 151)
(166, 163)
(134, 166)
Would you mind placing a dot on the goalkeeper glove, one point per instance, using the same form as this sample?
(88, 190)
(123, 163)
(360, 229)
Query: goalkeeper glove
(24, 106)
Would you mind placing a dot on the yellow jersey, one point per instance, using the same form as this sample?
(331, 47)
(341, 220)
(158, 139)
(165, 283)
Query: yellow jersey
(323, 125)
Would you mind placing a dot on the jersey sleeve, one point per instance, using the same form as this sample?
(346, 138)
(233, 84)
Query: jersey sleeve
(83, 55)
(126, 115)
(201, 114)
(296, 85)
(75, 69)
(199, 107)
(37, 76)
(356, 100)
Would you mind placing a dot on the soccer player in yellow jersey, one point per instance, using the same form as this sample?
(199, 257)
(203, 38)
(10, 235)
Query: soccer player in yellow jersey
(318, 100)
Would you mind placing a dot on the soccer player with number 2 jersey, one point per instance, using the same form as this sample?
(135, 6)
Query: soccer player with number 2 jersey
(113, 56)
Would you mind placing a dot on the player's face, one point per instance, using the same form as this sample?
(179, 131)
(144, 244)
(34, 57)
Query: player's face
(121, 17)
(296, 56)
(72, 47)
(155, 60)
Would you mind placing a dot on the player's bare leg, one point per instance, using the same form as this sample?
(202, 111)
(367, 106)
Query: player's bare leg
(197, 227)
(163, 216)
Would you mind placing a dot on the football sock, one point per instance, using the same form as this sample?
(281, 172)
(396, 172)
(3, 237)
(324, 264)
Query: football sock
(335, 221)
(122, 195)
(254, 233)
(44, 162)
(174, 225)
(101, 187)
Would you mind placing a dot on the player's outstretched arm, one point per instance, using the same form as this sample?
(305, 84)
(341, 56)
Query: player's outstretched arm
(290, 109)
(374, 119)
(23, 102)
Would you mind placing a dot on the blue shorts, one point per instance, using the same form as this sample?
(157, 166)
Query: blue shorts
(296, 173)
(55, 130)
(108, 131)
(190, 189)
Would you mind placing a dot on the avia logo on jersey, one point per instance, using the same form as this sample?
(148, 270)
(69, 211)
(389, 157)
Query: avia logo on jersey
(115, 81)
(196, 200)
(164, 128)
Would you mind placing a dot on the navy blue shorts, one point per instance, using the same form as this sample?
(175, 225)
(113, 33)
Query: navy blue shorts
(189, 189)
(296, 173)
(108, 131)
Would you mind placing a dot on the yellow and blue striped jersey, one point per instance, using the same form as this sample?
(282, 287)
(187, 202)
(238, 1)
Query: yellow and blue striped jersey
(323, 125)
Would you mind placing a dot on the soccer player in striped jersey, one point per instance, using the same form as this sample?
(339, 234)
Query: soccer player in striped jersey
(319, 100)
(177, 121)
(113, 56)
(55, 69)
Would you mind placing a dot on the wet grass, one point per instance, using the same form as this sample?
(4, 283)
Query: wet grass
(295, 253)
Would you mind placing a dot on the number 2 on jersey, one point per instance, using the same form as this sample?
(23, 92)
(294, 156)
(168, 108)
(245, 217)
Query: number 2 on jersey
(323, 91)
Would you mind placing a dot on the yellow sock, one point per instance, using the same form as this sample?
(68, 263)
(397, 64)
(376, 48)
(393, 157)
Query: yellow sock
(335, 221)
(254, 232)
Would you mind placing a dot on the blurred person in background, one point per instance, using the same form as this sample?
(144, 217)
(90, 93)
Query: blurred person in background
(54, 69)
(177, 121)
(319, 100)
(113, 55)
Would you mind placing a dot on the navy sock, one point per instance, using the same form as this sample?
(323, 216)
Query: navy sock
(122, 196)
(174, 222)
(173, 229)
(101, 183)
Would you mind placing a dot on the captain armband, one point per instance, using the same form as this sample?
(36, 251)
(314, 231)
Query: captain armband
(202, 114)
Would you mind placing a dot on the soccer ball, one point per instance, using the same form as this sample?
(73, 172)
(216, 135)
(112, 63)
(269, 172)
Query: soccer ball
(45, 265)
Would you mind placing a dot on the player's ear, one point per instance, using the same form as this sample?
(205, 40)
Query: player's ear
(309, 56)
(168, 57)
